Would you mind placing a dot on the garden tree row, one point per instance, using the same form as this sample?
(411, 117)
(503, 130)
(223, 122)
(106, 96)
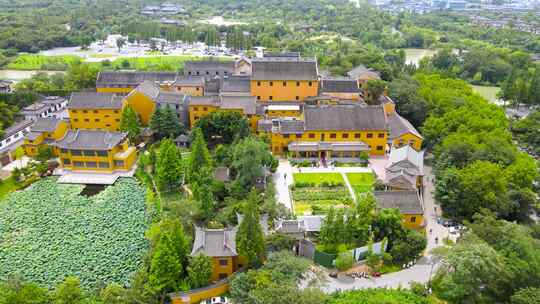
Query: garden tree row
(496, 261)
(361, 225)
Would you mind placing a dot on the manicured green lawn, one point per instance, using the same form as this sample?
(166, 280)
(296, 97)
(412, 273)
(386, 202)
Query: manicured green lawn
(7, 186)
(361, 182)
(318, 178)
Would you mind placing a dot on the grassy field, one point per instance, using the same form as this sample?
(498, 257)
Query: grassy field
(61, 63)
(318, 178)
(41, 62)
(361, 182)
(7, 186)
(315, 195)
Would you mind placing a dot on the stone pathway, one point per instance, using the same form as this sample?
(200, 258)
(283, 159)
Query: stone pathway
(283, 178)
(348, 184)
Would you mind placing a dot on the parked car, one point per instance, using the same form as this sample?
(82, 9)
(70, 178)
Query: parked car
(216, 300)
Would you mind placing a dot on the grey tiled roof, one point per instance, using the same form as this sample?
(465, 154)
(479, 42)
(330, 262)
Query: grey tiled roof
(90, 140)
(363, 70)
(165, 97)
(132, 79)
(34, 109)
(94, 100)
(189, 80)
(215, 242)
(247, 103)
(212, 100)
(340, 86)
(53, 100)
(284, 68)
(208, 65)
(398, 126)
(32, 135)
(408, 202)
(148, 88)
(236, 84)
(406, 158)
(19, 126)
(344, 117)
(45, 124)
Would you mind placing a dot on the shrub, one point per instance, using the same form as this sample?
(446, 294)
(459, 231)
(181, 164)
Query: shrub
(344, 261)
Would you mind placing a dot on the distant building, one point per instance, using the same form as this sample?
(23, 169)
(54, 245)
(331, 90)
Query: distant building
(44, 132)
(363, 74)
(405, 169)
(13, 138)
(50, 106)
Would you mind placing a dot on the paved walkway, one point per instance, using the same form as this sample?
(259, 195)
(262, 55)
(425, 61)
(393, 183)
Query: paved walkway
(283, 178)
(351, 191)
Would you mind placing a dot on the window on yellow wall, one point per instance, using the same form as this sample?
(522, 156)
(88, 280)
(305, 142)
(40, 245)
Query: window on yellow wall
(309, 83)
(103, 165)
(223, 262)
(357, 135)
(413, 219)
(379, 148)
(369, 135)
(96, 120)
(271, 83)
(284, 83)
(73, 111)
(86, 119)
(117, 120)
(205, 109)
(84, 111)
(95, 111)
(270, 98)
(285, 135)
(258, 97)
(345, 135)
(66, 161)
(115, 111)
(195, 109)
(381, 135)
(258, 83)
(311, 135)
(297, 97)
(298, 136)
(298, 83)
(332, 135)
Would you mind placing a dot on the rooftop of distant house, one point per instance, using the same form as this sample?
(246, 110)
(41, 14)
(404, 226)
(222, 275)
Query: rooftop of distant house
(284, 68)
(90, 140)
(94, 100)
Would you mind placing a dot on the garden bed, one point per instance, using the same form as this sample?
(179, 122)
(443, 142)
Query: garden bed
(315, 193)
(49, 230)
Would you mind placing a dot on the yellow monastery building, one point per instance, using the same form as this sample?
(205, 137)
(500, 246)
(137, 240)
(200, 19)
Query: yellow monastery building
(43, 132)
(95, 150)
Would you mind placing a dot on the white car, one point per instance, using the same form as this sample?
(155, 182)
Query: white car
(216, 300)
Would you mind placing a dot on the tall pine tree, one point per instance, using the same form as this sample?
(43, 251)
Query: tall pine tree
(250, 236)
(169, 168)
(199, 157)
(130, 123)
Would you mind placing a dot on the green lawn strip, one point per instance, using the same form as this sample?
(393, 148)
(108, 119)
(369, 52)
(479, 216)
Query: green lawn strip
(361, 182)
(318, 178)
(6, 186)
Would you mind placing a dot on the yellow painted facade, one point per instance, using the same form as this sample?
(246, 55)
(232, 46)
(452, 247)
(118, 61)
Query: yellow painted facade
(143, 105)
(198, 111)
(283, 113)
(117, 90)
(375, 139)
(31, 147)
(121, 158)
(339, 95)
(284, 90)
(103, 119)
(196, 296)
(413, 221)
(408, 139)
(223, 267)
(190, 90)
